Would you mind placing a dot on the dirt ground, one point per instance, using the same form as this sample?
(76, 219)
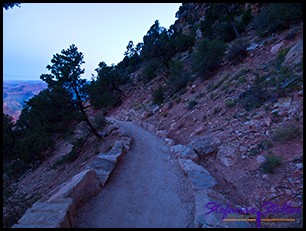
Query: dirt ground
(146, 189)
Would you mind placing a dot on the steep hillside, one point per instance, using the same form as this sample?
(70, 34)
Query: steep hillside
(254, 106)
(226, 80)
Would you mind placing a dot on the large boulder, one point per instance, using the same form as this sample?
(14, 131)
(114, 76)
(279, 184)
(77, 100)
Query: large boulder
(295, 54)
(80, 188)
(56, 214)
(184, 152)
(199, 177)
(205, 145)
(205, 218)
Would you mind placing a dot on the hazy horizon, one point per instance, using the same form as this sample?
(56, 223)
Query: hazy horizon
(34, 32)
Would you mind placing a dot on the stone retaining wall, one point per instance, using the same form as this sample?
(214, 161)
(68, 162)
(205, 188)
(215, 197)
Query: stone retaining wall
(60, 209)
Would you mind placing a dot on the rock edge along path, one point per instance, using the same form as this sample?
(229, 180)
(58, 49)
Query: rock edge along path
(147, 189)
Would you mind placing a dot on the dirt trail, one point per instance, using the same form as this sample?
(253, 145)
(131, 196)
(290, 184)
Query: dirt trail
(146, 189)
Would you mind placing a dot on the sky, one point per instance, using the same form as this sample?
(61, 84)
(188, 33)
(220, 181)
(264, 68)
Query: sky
(34, 32)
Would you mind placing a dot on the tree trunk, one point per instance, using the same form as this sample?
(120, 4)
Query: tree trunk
(232, 19)
(235, 28)
(94, 131)
(81, 107)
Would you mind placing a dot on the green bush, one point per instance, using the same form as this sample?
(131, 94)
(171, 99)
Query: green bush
(216, 110)
(277, 16)
(149, 71)
(237, 50)
(230, 103)
(271, 162)
(224, 31)
(99, 121)
(208, 56)
(72, 155)
(178, 77)
(104, 92)
(256, 96)
(292, 33)
(191, 104)
(105, 99)
(285, 132)
(158, 95)
(182, 42)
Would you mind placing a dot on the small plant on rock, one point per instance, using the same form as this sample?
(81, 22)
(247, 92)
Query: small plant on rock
(158, 96)
(271, 162)
(285, 132)
(237, 50)
(230, 103)
(191, 104)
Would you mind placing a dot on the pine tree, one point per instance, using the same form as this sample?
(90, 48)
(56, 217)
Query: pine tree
(66, 74)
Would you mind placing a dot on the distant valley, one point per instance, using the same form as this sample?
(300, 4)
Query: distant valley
(15, 92)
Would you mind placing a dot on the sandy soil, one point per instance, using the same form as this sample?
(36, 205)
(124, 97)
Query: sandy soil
(146, 189)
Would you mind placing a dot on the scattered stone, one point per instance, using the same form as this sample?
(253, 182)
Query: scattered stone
(299, 165)
(204, 219)
(260, 159)
(199, 177)
(197, 131)
(268, 121)
(228, 155)
(198, 34)
(243, 157)
(173, 126)
(162, 133)
(184, 152)
(275, 112)
(295, 54)
(293, 204)
(283, 102)
(273, 190)
(155, 109)
(146, 114)
(288, 192)
(276, 47)
(151, 127)
(252, 47)
(265, 176)
(238, 133)
(111, 128)
(205, 145)
(169, 142)
(254, 125)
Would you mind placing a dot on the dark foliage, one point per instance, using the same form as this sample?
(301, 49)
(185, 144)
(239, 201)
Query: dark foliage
(9, 5)
(104, 92)
(277, 16)
(178, 77)
(208, 56)
(158, 96)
